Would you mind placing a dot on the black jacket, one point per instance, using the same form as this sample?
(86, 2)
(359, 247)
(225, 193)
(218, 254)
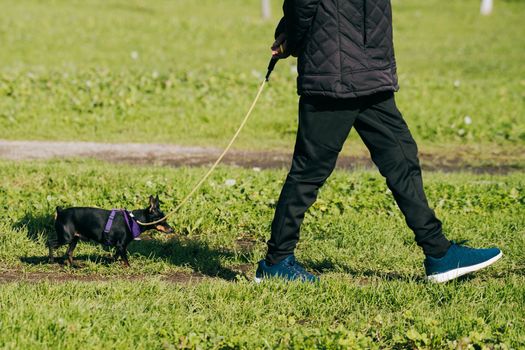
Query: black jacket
(344, 47)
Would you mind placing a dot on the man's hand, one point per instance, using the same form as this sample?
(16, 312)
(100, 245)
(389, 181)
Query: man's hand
(279, 49)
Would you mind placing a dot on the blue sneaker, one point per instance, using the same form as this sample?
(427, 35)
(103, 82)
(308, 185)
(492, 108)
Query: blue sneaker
(459, 261)
(287, 269)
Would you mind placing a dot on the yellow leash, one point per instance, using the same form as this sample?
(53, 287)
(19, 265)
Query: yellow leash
(205, 177)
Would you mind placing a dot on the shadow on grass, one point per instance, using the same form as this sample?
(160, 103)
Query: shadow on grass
(38, 226)
(328, 266)
(181, 251)
(196, 254)
(105, 260)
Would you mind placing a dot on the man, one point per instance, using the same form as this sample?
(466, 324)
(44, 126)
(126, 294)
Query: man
(347, 77)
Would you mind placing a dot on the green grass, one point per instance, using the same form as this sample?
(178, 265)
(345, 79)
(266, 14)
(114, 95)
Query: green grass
(185, 72)
(372, 293)
(68, 73)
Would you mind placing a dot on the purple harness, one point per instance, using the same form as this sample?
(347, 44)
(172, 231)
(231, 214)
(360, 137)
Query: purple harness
(132, 224)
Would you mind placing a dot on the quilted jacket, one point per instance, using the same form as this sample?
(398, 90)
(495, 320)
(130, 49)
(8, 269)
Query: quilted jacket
(344, 47)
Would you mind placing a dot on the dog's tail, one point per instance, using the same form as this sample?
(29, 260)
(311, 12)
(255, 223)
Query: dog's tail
(52, 241)
(58, 211)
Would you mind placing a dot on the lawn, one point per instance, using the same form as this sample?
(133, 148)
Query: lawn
(195, 288)
(185, 71)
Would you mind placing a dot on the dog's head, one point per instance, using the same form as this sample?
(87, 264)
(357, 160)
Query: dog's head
(153, 213)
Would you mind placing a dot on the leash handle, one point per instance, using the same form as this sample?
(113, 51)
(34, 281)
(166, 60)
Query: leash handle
(271, 66)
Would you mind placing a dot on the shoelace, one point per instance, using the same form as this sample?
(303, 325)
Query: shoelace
(297, 268)
(462, 244)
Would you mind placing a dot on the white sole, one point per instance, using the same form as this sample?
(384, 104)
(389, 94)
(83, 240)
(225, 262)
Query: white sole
(258, 280)
(452, 274)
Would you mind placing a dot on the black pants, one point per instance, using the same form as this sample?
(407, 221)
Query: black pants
(324, 124)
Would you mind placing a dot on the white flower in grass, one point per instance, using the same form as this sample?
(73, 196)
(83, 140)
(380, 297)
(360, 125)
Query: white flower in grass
(457, 83)
(468, 120)
(293, 69)
(230, 182)
(134, 55)
(257, 169)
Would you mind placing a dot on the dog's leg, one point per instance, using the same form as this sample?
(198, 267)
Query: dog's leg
(123, 253)
(124, 256)
(51, 245)
(51, 257)
(70, 250)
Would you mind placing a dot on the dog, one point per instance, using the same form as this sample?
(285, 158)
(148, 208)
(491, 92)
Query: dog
(114, 228)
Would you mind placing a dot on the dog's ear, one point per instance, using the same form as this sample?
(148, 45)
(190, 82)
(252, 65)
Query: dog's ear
(152, 203)
(157, 201)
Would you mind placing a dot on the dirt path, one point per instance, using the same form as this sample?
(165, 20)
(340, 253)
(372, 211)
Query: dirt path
(173, 155)
(14, 276)
(61, 274)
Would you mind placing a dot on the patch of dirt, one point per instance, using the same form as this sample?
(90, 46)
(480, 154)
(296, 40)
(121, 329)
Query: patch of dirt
(11, 276)
(173, 155)
(243, 269)
(183, 277)
(246, 244)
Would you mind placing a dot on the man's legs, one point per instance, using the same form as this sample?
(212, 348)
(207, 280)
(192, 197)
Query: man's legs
(324, 124)
(394, 151)
(323, 127)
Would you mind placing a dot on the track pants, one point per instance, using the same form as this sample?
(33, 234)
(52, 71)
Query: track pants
(324, 124)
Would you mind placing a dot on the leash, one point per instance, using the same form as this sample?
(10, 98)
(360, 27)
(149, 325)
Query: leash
(271, 66)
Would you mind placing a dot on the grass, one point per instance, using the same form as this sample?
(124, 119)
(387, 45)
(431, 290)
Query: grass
(185, 72)
(372, 293)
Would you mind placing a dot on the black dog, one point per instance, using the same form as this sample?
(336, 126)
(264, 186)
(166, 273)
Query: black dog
(115, 228)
